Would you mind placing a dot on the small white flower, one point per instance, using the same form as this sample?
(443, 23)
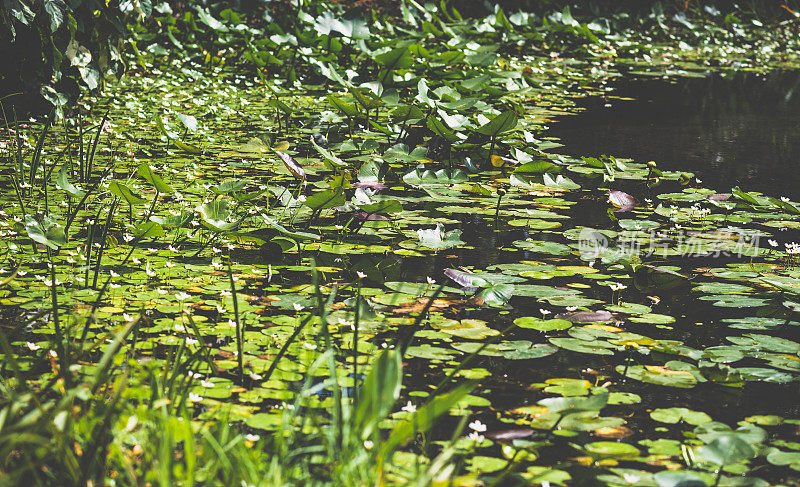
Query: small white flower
(409, 408)
(571, 308)
(615, 286)
(298, 306)
(477, 426)
(772, 243)
(171, 248)
(310, 346)
(127, 237)
(431, 280)
(182, 296)
(206, 383)
(148, 271)
(195, 397)
(368, 444)
(169, 264)
(126, 317)
(784, 199)
(231, 323)
(161, 291)
(113, 274)
(254, 376)
(251, 437)
(544, 311)
(360, 274)
(32, 346)
(476, 437)
(220, 309)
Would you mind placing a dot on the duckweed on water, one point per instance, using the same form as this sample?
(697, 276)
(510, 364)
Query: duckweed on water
(223, 278)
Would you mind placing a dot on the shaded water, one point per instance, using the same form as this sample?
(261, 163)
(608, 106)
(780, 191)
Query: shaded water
(738, 129)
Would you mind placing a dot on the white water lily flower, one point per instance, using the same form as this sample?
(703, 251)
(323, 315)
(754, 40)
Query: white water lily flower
(409, 408)
(476, 437)
(477, 426)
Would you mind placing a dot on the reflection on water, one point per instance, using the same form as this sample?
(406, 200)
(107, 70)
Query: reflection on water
(742, 129)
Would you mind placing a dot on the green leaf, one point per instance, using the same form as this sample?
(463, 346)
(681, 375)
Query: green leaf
(397, 58)
(574, 404)
(329, 156)
(289, 233)
(55, 10)
(217, 215)
(62, 181)
(348, 109)
(124, 192)
(611, 449)
(149, 230)
(379, 393)
(48, 233)
(497, 295)
(423, 419)
(725, 450)
(228, 186)
(366, 99)
(542, 325)
(675, 415)
(328, 198)
(146, 172)
(499, 124)
(438, 238)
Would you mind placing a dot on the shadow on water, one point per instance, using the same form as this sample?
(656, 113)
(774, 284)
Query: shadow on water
(738, 129)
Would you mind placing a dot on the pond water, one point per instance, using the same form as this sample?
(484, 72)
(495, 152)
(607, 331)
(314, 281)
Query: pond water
(738, 129)
(721, 343)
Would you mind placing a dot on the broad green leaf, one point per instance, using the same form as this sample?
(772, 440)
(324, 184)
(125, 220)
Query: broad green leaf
(146, 172)
(499, 124)
(48, 233)
(228, 186)
(149, 229)
(725, 450)
(62, 181)
(397, 58)
(379, 392)
(217, 215)
(328, 198)
(124, 192)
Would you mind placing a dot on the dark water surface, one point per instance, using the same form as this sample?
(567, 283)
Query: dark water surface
(740, 129)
